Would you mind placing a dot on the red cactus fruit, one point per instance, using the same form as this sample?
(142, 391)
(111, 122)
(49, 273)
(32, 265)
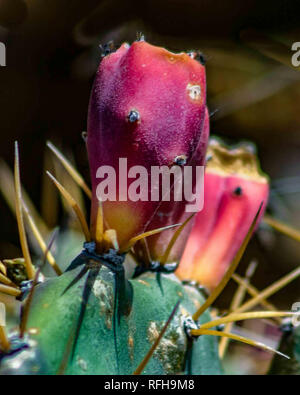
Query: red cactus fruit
(148, 107)
(234, 188)
(157, 243)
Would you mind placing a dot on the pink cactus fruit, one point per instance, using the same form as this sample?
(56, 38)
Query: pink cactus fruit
(234, 188)
(148, 107)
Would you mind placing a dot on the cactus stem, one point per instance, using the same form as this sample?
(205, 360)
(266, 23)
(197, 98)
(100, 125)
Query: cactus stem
(283, 228)
(133, 240)
(9, 290)
(26, 307)
(146, 359)
(74, 206)
(70, 169)
(269, 291)
(92, 264)
(237, 300)
(40, 240)
(174, 239)
(236, 260)
(200, 332)
(81, 274)
(253, 292)
(67, 352)
(4, 342)
(19, 215)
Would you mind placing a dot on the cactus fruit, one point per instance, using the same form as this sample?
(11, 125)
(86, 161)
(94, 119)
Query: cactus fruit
(77, 327)
(234, 188)
(148, 107)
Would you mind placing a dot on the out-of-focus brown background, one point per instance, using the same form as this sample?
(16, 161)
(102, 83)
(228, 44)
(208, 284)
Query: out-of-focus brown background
(53, 52)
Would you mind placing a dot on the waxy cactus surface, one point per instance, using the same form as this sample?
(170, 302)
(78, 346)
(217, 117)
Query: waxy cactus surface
(105, 346)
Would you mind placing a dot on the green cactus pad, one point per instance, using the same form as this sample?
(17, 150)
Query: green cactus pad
(106, 346)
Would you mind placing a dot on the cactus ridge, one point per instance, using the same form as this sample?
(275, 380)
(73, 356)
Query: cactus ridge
(123, 295)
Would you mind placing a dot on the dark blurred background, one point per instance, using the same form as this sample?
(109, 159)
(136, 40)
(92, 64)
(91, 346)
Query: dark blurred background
(253, 93)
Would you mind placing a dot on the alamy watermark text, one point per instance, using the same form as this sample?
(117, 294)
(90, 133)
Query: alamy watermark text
(160, 183)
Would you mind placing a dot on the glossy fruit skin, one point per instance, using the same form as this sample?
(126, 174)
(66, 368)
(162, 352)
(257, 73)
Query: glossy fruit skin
(147, 105)
(231, 202)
